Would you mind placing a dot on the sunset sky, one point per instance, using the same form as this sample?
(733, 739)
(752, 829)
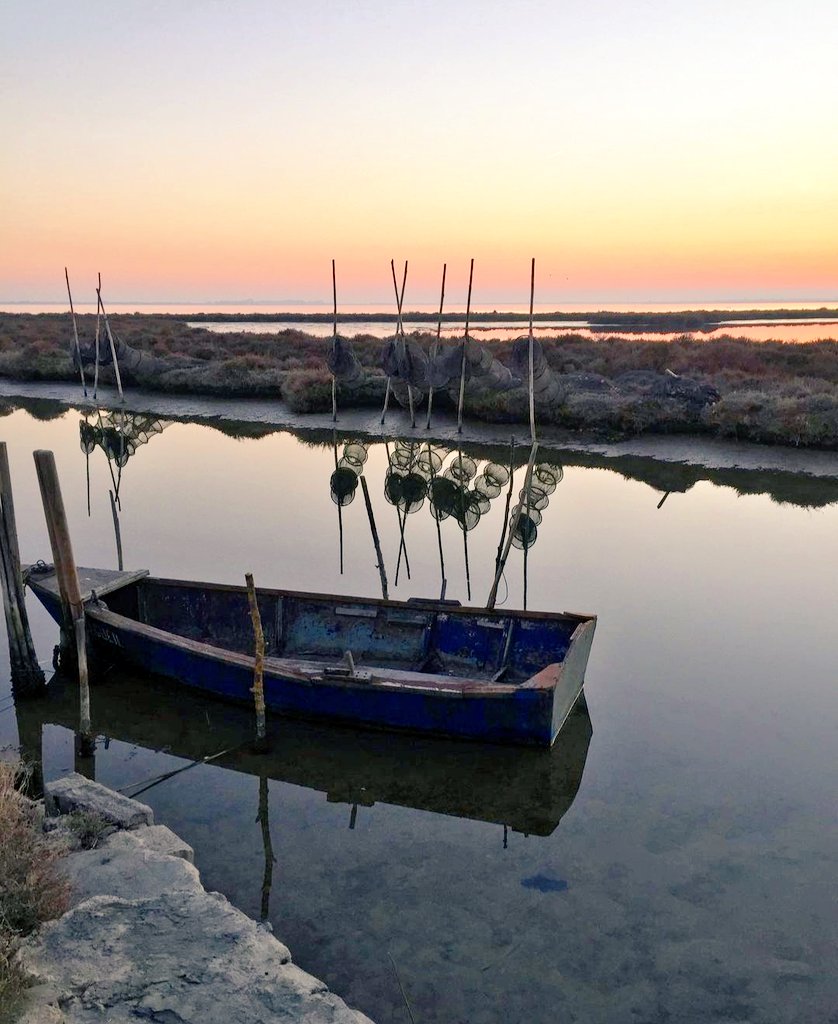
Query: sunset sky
(664, 150)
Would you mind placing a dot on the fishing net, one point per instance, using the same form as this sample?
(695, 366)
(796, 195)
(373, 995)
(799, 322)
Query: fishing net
(405, 360)
(343, 364)
(355, 454)
(343, 484)
(546, 390)
(462, 469)
(405, 490)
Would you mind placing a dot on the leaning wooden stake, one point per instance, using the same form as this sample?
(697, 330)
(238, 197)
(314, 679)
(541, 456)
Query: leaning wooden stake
(463, 360)
(27, 677)
(117, 531)
(380, 559)
(112, 344)
(258, 689)
(532, 356)
(68, 584)
(513, 526)
(76, 334)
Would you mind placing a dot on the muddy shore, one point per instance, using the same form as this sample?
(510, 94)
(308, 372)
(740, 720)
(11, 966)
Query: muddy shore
(689, 451)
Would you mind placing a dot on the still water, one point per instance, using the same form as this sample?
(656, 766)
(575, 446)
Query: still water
(673, 859)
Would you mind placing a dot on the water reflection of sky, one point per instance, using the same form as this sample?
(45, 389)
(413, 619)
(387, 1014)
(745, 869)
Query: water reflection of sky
(698, 852)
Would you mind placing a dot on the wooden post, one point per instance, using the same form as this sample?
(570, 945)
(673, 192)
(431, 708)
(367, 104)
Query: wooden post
(532, 357)
(493, 593)
(400, 342)
(68, 581)
(76, 334)
(27, 677)
(113, 346)
(435, 347)
(463, 362)
(381, 571)
(258, 689)
(117, 531)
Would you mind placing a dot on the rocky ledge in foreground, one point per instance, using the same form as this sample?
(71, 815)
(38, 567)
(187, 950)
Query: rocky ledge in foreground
(145, 940)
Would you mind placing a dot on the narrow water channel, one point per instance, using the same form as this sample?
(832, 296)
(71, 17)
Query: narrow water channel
(672, 859)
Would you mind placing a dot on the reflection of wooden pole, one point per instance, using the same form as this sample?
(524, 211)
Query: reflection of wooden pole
(267, 846)
(508, 503)
(112, 344)
(381, 571)
(68, 581)
(463, 359)
(117, 531)
(435, 346)
(532, 357)
(27, 677)
(258, 689)
(76, 334)
(513, 526)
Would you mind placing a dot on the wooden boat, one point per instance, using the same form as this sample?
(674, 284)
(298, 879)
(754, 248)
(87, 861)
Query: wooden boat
(427, 666)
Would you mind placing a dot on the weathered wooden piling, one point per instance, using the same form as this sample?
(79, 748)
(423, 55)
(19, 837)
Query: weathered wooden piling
(27, 677)
(334, 339)
(72, 606)
(258, 688)
(117, 532)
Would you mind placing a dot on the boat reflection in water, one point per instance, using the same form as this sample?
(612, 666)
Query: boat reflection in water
(527, 790)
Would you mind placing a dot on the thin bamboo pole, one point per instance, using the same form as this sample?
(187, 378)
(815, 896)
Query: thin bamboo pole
(68, 581)
(27, 677)
(438, 526)
(400, 334)
(463, 359)
(334, 341)
(532, 356)
(113, 346)
(340, 509)
(376, 543)
(258, 688)
(76, 334)
(98, 332)
(493, 593)
(435, 346)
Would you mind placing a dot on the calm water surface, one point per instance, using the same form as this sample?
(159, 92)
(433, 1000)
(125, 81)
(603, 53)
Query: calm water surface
(672, 860)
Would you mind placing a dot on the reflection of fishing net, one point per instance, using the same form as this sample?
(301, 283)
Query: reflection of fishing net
(405, 490)
(342, 485)
(525, 518)
(492, 480)
(545, 387)
(429, 461)
(343, 364)
(354, 454)
(448, 498)
(119, 434)
(462, 469)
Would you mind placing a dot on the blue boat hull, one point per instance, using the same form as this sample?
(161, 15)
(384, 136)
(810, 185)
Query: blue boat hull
(530, 713)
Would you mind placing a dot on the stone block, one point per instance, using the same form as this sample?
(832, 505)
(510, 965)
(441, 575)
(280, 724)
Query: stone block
(74, 792)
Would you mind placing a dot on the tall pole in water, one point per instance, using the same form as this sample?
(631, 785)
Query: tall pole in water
(334, 342)
(68, 583)
(27, 677)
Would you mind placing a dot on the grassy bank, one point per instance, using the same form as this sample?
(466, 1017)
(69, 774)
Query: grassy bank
(31, 890)
(769, 392)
